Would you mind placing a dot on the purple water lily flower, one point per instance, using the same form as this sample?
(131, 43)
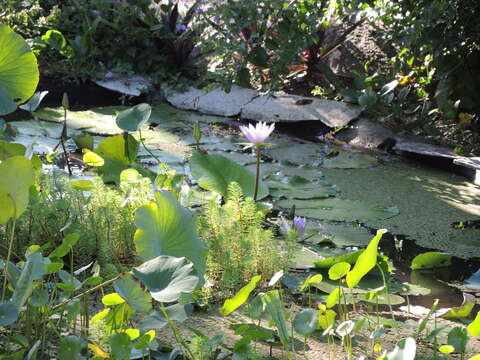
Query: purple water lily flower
(181, 27)
(109, 75)
(257, 134)
(299, 224)
(216, 19)
(199, 11)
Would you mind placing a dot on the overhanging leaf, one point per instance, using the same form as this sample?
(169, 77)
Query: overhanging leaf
(130, 289)
(132, 119)
(18, 69)
(306, 322)
(17, 176)
(240, 297)
(365, 262)
(167, 277)
(216, 172)
(167, 228)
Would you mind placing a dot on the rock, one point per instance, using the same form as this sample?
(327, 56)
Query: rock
(292, 108)
(185, 100)
(218, 102)
(365, 133)
(425, 149)
(128, 85)
(471, 168)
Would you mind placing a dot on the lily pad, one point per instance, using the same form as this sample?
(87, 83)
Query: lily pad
(276, 171)
(431, 260)
(350, 160)
(339, 209)
(341, 235)
(309, 190)
(294, 153)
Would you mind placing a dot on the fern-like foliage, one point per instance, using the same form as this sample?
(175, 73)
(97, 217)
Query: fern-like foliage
(239, 246)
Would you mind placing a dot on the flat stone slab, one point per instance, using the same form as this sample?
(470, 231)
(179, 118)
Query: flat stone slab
(472, 162)
(365, 133)
(292, 108)
(425, 149)
(128, 85)
(219, 102)
(185, 100)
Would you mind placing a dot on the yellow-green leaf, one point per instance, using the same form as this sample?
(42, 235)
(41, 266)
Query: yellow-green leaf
(112, 299)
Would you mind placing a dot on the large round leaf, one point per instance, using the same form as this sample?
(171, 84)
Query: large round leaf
(70, 348)
(8, 313)
(131, 290)
(167, 228)
(18, 69)
(17, 175)
(216, 172)
(132, 119)
(167, 277)
(306, 322)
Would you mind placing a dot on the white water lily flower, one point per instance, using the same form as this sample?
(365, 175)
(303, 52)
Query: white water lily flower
(257, 134)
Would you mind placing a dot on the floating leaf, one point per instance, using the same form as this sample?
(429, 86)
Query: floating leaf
(216, 172)
(167, 277)
(338, 209)
(431, 260)
(167, 228)
(240, 297)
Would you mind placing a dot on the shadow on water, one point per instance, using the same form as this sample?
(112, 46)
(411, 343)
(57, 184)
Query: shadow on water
(401, 250)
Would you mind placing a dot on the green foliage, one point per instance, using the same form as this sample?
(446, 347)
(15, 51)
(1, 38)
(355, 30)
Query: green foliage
(103, 218)
(78, 41)
(239, 247)
(18, 70)
(431, 260)
(167, 228)
(240, 297)
(216, 172)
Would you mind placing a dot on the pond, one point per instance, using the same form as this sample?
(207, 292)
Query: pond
(345, 193)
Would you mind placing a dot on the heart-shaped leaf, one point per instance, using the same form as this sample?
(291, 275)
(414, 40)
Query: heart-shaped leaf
(167, 277)
(167, 228)
(306, 322)
(216, 172)
(132, 119)
(131, 290)
(18, 70)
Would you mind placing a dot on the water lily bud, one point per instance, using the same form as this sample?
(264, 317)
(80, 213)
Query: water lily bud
(197, 132)
(65, 102)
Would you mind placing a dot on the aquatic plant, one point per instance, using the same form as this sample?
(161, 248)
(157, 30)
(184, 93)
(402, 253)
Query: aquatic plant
(257, 135)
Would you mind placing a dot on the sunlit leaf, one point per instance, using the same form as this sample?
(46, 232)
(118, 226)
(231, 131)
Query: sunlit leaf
(338, 270)
(365, 262)
(240, 297)
(131, 290)
(431, 260)
(112, 299)
(474, 326)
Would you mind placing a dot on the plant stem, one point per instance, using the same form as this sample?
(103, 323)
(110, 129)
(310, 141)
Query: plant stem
(176, 334)
(257, 177)
(146, 148)
(105, 283)
(9, 253)
(64, 134)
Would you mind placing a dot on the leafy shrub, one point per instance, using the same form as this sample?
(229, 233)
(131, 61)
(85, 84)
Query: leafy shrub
(95, 37)
(239, 247)
(104, 218)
